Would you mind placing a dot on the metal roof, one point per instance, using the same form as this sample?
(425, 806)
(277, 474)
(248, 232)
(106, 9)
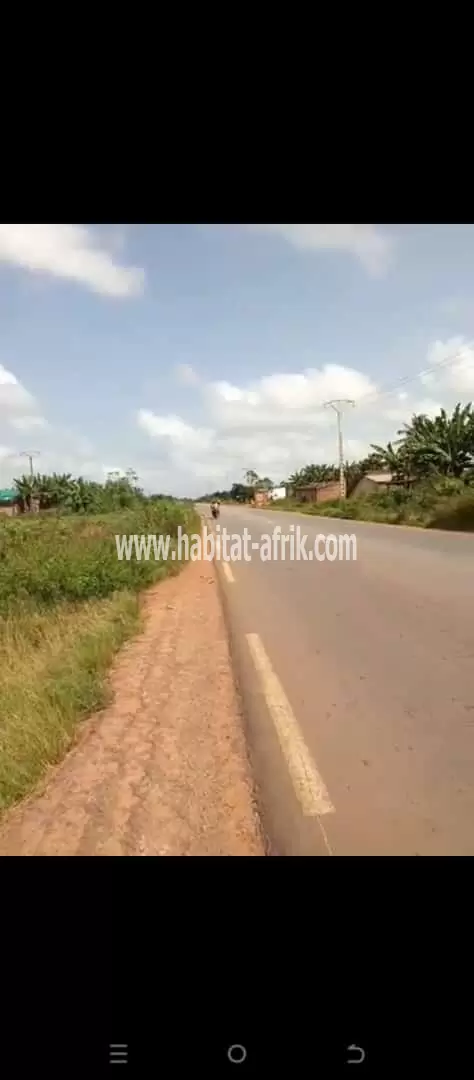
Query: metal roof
(8, 494)
(380, 477)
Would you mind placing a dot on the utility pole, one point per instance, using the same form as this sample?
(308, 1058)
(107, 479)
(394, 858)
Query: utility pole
(338, 405)
(30, 454)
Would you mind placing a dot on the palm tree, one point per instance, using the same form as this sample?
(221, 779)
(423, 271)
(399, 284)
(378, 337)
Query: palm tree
(313, 474)
(443, 445)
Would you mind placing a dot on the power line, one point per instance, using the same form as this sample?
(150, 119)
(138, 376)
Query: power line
(376, 394)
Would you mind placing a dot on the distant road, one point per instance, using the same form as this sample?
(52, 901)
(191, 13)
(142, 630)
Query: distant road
(358, 685)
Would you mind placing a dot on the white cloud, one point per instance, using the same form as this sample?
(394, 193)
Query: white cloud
(278, 423)
(186, 375)
(77, 444)
(68, 251)
(366, 242)
(454, 360)
(27, 423)
(277, 401)
(269, 425)
(179, 434)
(401, 413)
(18, 407)
(274, 424)
(60, 449)
(12, 393)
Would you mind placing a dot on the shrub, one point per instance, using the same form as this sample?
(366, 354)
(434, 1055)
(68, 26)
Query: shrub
(67, 603)
(52, 560)
(458, 513)
(443, 503)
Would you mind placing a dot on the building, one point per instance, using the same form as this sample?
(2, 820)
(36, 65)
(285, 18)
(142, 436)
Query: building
(378, 482)
(277, 493)
(317, 493)
(9, 502)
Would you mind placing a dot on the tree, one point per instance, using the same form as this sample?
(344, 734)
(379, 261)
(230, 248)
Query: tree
(313, 474)
(251, 478)
(241, 492)
(442, 445)
(397, 461)
(26, 488)
(77, 495)
(427, 448)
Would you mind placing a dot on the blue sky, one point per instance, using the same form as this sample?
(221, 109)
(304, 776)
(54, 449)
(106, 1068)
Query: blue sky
(194, 352)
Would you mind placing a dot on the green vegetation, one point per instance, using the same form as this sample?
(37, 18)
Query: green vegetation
(67, 603)
(435, 505)
(325, 474)
(50, 560)
(431, 467)
(53, 671)
(68, 494)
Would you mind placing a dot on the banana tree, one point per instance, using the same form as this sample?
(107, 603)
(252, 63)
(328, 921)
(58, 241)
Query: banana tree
(441, 445)
(27, 487)
(397, 460)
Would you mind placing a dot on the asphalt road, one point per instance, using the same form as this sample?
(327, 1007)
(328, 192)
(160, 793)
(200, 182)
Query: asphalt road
(358, 684)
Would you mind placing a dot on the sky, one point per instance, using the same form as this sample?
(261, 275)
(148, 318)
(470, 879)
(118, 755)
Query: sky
(194, 352)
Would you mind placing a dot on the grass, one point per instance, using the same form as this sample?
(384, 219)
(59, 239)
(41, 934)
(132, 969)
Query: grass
(441, 505)
(52, 676)
(67, 604)
(47, 561)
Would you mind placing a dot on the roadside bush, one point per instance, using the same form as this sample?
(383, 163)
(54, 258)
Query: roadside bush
(48, 561)
(442, 504)
(67, 603)
(457, 514)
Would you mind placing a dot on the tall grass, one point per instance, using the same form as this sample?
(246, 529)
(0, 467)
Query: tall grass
(45, 562)
(67, 603)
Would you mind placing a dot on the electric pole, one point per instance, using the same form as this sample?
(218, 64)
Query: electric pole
(338, 405)
(30, 454)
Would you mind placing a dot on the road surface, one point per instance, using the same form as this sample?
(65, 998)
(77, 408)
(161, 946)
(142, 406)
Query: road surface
(358, 684)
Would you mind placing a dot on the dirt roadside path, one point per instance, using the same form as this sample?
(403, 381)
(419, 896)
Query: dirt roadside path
(163, 770)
